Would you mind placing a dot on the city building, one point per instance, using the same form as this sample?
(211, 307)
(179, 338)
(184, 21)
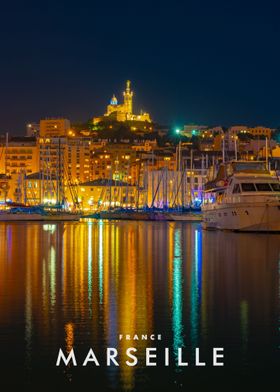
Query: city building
(254, 131)
(52, 168)
(171, 188)
(190, 130)
(260, 131)
(114, 161)
(77, 158)
(4, 188)
(256, 146)
(59, 164)
(236, 129)
(19, 155)
(106, 193)
(37, 188)
(144, 146)
(54, 127)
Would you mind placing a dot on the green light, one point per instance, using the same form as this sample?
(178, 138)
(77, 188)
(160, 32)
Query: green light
(177, 131)
(194, 132)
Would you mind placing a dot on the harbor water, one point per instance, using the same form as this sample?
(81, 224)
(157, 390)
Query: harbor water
(80, 285)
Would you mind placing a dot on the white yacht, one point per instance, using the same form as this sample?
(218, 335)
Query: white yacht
(245, 196)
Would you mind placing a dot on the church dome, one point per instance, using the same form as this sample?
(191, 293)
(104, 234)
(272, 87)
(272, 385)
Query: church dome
(114, 100)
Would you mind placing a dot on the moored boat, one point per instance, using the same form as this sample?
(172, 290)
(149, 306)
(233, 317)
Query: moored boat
(37, 213)
(245, 196)
(185, 216)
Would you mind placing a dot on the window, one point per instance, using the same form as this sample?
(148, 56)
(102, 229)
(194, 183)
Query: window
(236, 188)
(263, 187)
(247, 187)
(275, 187)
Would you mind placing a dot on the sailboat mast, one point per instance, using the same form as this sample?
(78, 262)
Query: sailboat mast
(153, 181)
(191, 178)
(6, 152)
(6, 155)
(183, 187)
(266, 153)
(24, 188)
(58, 178)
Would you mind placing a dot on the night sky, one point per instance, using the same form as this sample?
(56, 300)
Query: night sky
(208, 62)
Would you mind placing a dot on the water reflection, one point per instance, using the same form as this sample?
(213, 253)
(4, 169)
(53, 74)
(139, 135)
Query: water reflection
(177, 315)
(81, 285)
(89, 278)
(100, 262)
(279, 304)
(196, 275)
(244, 317)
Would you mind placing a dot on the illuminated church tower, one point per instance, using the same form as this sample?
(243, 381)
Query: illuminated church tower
(128, 95)
(122, 111)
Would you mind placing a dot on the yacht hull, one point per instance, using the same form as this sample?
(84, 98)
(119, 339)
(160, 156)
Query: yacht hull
(263, 217)
(9, 217)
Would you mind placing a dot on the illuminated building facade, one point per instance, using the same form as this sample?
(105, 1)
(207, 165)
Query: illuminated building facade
(54, 127)
(105, 194)
(4, 188)
(254, 131)
(52, 168)
(260, 131)
(124, 111)
(77, 157)
(115, 161)
(64, 158)
(145, 146)
(19, 155)
(169, 188)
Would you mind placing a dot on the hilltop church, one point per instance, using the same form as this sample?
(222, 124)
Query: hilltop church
(124, 111)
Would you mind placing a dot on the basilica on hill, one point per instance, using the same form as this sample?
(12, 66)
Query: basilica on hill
(122, 112)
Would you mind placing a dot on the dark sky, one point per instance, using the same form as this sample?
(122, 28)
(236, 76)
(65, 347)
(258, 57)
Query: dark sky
(210, 62)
